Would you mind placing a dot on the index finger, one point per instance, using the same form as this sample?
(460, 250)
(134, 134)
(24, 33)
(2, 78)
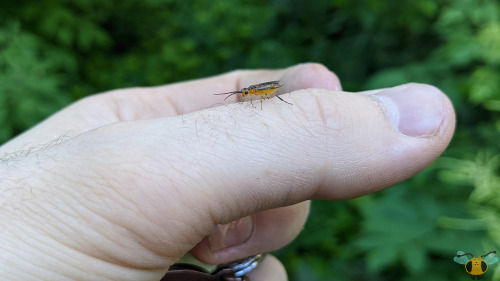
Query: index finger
(162, 101)
(185, 97)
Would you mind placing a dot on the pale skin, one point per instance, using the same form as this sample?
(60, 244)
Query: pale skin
(120, 185)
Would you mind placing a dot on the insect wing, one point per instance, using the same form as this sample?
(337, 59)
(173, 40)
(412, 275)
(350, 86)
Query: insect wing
(461, 259)
(491, 258)
(269, 85)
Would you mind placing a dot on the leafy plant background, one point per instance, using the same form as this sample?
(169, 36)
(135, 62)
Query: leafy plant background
(55, 52)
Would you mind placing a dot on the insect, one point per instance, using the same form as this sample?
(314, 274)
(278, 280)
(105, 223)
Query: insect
(476, 267)
(263, 90)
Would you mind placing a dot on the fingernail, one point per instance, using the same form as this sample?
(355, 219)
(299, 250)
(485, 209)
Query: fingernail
(231, 234)
(415, 110)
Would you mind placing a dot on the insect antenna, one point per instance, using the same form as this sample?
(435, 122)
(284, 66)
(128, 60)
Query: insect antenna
(230, 94)
(493, 252)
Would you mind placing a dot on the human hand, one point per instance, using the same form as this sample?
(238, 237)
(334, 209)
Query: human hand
(119, 186)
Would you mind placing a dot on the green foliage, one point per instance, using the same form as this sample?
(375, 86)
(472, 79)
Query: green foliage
(31, 76)
(54, 52)
(402, 227)
(483, 204)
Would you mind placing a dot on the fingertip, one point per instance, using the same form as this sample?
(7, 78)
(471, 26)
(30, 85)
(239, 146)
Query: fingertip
(269, 269)
(311, 75)
(297, 77)
(261, 232)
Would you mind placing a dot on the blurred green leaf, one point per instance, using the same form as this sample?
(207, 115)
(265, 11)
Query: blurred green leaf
(484, 85)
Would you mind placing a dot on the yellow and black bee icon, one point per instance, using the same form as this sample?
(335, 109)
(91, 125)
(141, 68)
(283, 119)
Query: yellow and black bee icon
(476, 267)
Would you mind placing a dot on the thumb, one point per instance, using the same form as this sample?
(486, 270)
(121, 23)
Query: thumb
(148, 191)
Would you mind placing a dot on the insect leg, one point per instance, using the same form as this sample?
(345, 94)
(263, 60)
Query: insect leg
(251, 101)
(284, 100)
